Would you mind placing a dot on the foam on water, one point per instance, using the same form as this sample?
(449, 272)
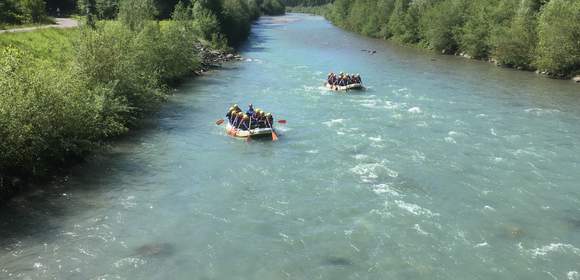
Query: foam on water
(437, 171)
(385, 189)
(415, 110)
(553, 248)
(541, 112)
(415, 209)
(334, 122)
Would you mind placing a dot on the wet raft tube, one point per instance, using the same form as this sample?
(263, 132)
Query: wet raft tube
(256, 132)
(349, 87)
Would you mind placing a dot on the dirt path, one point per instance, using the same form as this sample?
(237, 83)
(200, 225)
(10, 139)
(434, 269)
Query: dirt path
(60, 23)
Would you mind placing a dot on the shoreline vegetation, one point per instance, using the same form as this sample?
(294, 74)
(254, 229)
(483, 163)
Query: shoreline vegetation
(66, 93)
(532, 35)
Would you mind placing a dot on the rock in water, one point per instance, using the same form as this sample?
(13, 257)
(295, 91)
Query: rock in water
(576, 79)
(154, 250)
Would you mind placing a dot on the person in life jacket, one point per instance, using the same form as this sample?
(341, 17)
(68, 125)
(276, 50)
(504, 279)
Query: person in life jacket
(269, 120)
(250, 110)
(245, 122)
(234, 118)
(255, 118)
(342, 81)
(260, 120)
(230, 114)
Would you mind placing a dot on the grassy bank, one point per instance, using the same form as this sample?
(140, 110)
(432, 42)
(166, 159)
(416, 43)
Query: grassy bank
(522, 34)
(63, 93)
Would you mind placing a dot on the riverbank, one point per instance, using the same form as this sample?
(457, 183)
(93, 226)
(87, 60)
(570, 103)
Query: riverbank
(528, 36)
(65, 93)
(441, 169)
(14, 184)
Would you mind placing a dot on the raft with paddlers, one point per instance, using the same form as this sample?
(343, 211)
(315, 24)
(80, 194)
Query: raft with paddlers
(241, 133)
(343, 88)
(253, 123)
(343, 82)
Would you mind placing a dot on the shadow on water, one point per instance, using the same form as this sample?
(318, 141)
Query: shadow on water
(337, 261)
(42, 212)
(258, 39)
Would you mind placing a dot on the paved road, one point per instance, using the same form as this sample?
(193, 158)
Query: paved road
(60, 23)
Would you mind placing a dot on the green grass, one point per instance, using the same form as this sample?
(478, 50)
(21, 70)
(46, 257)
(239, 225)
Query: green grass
(49, 44)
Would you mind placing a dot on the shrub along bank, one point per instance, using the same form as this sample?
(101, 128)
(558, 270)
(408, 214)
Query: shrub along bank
(64, 92)
(524, 34)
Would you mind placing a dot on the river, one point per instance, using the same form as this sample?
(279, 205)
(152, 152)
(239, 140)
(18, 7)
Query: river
(444, 168)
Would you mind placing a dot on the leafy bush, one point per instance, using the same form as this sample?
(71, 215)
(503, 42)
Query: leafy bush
(440, 24)
(134, 13)
(33, 10)
(559, 30)
(515, 44)
(58, 104)
(47, 115)
(236, 20)
(9, 12)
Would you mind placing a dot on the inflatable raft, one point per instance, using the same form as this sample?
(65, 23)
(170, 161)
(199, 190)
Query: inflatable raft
(256, 132)
(344, 88)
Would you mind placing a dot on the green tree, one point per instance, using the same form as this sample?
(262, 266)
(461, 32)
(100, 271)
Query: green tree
(272, 7)
(515, 44)
(559, 30)
(9, 12)
(440, 23)
(33, 10)
(473, 36)
(135, 13)
(235, 21)
(107, 9)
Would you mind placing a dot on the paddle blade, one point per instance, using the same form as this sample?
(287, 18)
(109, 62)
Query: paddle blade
(274, 136)
(219, 122)
(282, 121)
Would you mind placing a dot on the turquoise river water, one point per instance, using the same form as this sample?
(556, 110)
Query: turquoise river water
(444, 168)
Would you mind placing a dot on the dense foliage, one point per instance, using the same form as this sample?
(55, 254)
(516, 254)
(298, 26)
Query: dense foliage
(22, 11)
(59, 103)
(525, 34)
(305, 3)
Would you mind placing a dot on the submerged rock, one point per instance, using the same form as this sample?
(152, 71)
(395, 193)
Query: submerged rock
(154, 250)
(515, 232)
